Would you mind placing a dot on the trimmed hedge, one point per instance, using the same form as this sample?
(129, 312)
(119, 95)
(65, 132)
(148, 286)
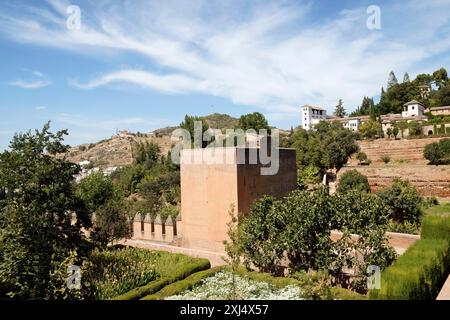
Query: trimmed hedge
(155, 286)
(418, 274)
(436, 227)
(279, 282)
(421, 271)
(186, 284)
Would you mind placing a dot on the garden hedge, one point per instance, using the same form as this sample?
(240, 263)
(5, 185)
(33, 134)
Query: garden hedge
(155, 286)
(183, 285)
(422, 270)
(436, 227)
(279, 282)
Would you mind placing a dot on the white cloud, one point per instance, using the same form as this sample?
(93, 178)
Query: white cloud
(40, 108)
(272, 55)
(30, 84)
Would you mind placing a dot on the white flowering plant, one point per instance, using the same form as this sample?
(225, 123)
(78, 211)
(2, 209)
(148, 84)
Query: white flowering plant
(221, 287)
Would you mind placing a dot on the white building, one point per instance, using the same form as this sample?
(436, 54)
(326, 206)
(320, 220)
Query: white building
(312, 115)
(413, 109)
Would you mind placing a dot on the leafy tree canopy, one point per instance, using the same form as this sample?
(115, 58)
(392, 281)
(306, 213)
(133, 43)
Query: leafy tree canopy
(41, 215)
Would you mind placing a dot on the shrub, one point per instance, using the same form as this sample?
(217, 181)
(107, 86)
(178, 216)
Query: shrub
(172, 268)
(113, 272)
(361, 157)
(385, 158)
(418, 274)
(183, 285)
(403, 201)
(353, 180)
(438, 152)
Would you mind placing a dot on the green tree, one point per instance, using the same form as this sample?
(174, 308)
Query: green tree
(111, 223)
(95, 190)
(389, 132)
(361, 157)
(189, 125)
(402, 126)
(415, 128)
(395, 131)
(440, 78)
(438, 152)
(370, 129)
(403, 201)
(147, 154)
(339, 110)
(255, 121)
(41, 216)
(353, 180)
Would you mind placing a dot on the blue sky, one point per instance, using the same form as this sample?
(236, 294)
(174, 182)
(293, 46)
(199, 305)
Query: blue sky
(142, 65)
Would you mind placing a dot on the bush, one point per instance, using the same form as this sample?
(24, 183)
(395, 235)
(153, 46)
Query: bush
(406, 227)
(438, 152)
(403, 201)
(298, 228)
(386, 159)
(418, 274)
(113, 272)
(172, 268)
(361, 157)
(183, 285)
(353, 180)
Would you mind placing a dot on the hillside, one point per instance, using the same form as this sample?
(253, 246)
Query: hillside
(407, 162)
(117, 151)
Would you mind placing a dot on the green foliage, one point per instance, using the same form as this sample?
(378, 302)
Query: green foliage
(41, 216)
(328, 147)
(299, 228)
(309, 175)
(418, 274)
(370, 129)
(353, 180)
(339, 110)
(441, 209)
(405, 227)
(415, 128)
(361, 157)
(403, 201)
(438, 152)
(178, 287)
(95, 190)
(436, 227)
(233, 248)
(147, 154)
(171, 268)
(111, 223)
(255, 121)
(189, 125)
(385, 158)
(110, 273)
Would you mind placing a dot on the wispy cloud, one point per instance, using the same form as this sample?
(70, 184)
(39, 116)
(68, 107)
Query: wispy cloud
(30, 84)
(40, 108)
(39, 80)
(270, 55)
